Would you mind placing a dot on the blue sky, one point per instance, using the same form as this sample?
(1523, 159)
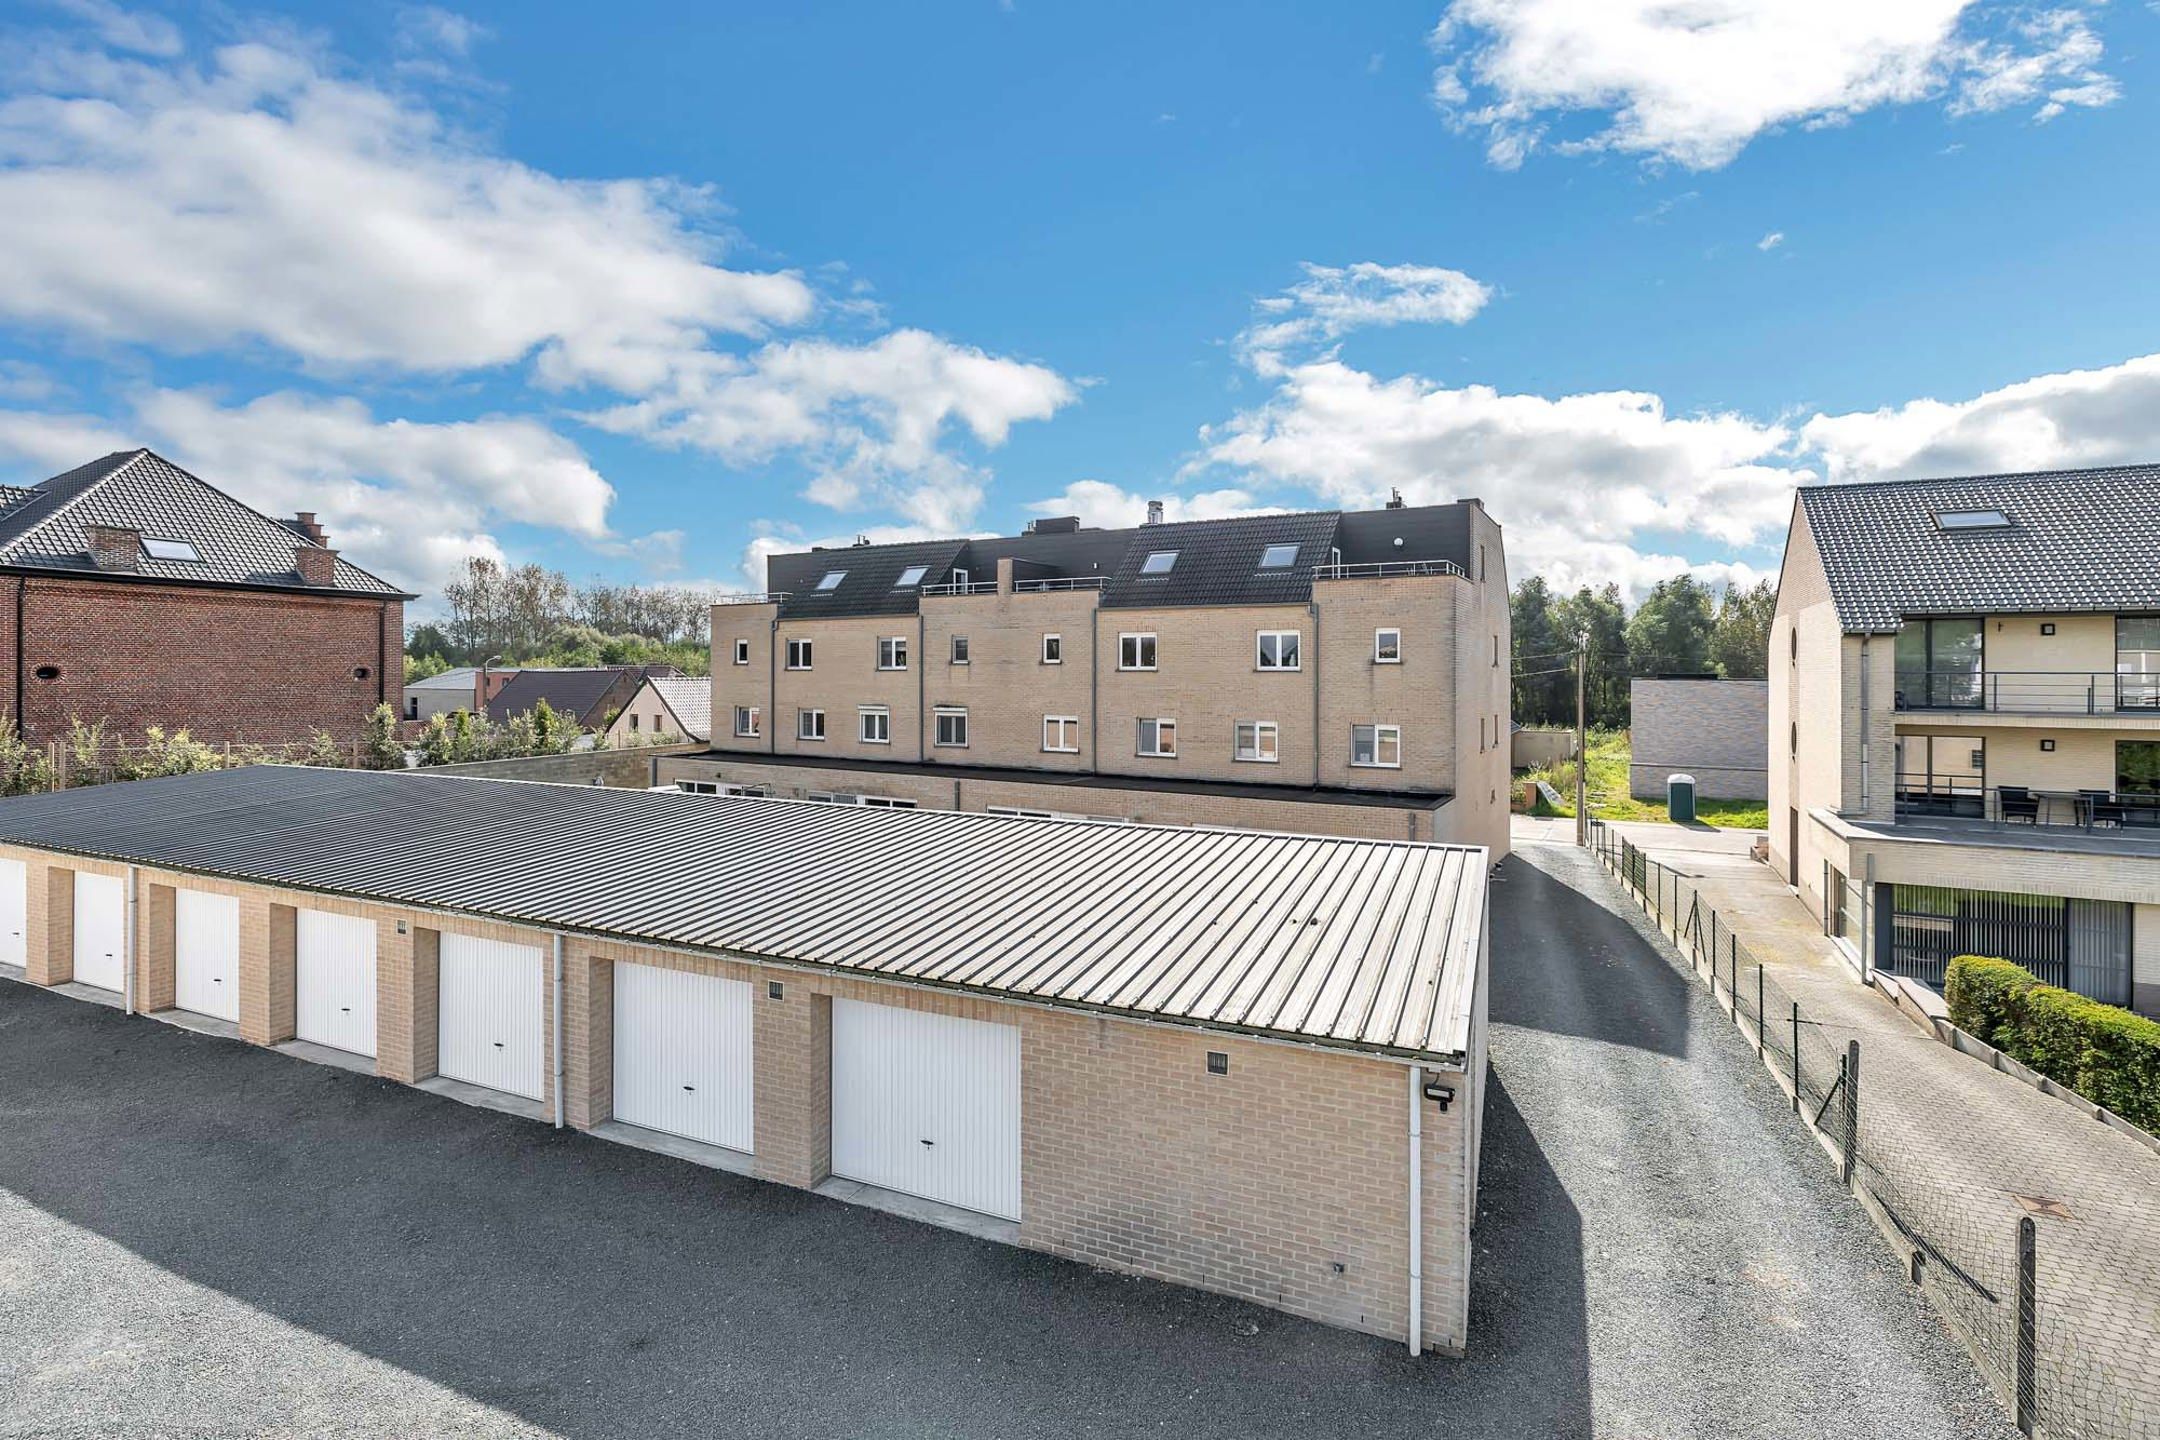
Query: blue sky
(645, 297)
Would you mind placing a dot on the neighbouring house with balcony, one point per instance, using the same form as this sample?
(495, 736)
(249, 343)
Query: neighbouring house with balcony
(1965, 723)
(1330, 672)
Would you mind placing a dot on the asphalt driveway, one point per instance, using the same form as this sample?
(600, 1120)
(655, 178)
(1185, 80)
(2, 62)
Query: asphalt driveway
(201, 1238)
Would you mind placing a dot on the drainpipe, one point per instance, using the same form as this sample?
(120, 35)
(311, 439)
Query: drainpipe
(1417, 1210)
(1864, 709)
(772, 683)
(557, 998)
(127, 948)
(1312, 608)
(922, 683)
(1094, 687)
(22, 730)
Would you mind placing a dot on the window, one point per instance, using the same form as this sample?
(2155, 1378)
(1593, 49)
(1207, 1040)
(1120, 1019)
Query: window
(1481, 564)
(2137, 771)
(962, 578)
(633, 720)
(959, 650)
(884, 802)
(1278, 557)
(742, 652)
(798, 654)
(1481, 734)
(1053, 649)
(951, 728)
(1158, 738)
(1136, 652)
(892, 653)
(1378, 746)
(911, 577)
(1792, 641)
(1496, 652)
(873, 725)
(1159, 562)
(1971, 520)
(1278, 650)
(746, 720)
(1256, 741)
(1940, 663)
(1061, 734)
(170, 549)
(2137, 662)
(1387, 647)
(832, 580)
(810, 724)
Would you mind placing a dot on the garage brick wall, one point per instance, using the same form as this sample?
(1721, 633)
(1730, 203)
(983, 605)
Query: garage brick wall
(1257, 1183)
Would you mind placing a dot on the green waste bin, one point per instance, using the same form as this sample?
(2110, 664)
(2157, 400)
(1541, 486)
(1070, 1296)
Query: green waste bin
(1680, 798)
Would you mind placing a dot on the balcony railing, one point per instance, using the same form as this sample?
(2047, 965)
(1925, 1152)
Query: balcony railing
(1060, 582)
(1963, 798)
(968, 587)
(2046, 692)
(756, 597)
(1386, 569)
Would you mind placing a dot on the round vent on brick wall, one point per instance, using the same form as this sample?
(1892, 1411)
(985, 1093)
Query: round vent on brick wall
(360, 672)
(47, 672)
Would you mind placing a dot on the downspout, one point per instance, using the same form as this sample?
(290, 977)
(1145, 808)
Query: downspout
(1417, 1211)
(127, 948)
(1094, 687)
(382, 654)
(1865, 707)
(1312, 608)
(22, 731)
(557, 998)
(922, 682)
(772, 683)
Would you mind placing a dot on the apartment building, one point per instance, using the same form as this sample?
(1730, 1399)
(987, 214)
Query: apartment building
(1333, 672)
(1965, 723)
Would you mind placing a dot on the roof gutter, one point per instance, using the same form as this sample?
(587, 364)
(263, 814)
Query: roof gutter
(125, 577)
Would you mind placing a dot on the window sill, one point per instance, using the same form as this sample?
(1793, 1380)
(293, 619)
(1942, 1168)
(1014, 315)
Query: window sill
(1374, 765)
(1256, 760)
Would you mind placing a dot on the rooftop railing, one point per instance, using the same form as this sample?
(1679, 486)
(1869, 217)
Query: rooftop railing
(1386, 569)
(1062, 582)
(2045, 692)
(965, 587)
(752, 597)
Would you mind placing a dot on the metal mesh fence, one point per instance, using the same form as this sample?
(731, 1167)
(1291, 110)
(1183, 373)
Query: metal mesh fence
(2070, 1368)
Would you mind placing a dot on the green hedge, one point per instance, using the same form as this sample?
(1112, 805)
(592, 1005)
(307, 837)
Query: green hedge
(2103, 1052)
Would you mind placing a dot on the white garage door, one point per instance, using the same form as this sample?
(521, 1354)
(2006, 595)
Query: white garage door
(100, 930)
(11, 912)
(334, 999)
(206, 953)
(682, 1054)
(928, 1105)
(490, 1017)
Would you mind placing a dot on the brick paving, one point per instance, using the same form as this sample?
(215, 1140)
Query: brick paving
(1952, 1145)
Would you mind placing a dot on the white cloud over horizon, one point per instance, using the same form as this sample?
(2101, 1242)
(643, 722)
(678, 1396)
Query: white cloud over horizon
(1693, 84)
(1334, 300)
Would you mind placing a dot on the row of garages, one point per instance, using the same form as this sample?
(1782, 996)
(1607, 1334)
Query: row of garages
(1331, 1180)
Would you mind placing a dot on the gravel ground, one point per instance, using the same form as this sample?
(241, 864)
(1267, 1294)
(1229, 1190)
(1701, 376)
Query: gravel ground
(201, 1238)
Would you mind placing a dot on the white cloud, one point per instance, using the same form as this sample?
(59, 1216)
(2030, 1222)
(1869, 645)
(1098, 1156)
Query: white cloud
(1102, 505)
(1771, 241)
(1331, 301)
(125, 29)
(1695, 82)
(2108, 416)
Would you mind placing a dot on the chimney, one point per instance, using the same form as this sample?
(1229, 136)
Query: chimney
(1154, 513)
(317, 566)
(115, 547)
(304, 524)
(1394, 499)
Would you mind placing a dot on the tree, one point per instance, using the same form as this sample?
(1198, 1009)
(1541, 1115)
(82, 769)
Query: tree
(1670, 632)
(1540, 699)
(1740, 637)
(380, 748)
(1602, 614)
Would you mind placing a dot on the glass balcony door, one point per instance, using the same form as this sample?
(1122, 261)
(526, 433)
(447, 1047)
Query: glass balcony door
(2137, 662)
(1940, 662)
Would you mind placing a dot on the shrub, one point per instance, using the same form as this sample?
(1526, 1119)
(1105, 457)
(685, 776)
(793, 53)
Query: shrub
(380, 747)
(2104, 1052)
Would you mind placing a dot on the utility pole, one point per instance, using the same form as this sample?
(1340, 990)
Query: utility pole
(1582, 741)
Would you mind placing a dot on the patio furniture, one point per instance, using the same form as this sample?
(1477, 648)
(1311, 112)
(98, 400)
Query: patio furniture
(2019, 806)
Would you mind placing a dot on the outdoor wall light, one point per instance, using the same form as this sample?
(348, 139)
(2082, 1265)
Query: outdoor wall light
(2047, 627)
(1440, 1093)
(1218, 1063)
(2047, 744)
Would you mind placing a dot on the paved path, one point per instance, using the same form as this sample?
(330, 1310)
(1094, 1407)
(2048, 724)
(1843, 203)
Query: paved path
(1956, 1143)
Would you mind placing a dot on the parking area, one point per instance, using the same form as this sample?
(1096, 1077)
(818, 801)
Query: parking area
(202, 1237)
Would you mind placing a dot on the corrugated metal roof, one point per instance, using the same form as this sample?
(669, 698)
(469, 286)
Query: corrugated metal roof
(1361, 944)
(2077, 540)
(47, 527)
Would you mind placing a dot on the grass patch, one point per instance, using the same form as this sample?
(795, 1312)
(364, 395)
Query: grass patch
(1607, 784)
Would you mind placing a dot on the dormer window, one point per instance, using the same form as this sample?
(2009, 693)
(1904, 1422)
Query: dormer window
(832, 580)
(170, 549)
(1158, 562)
(911, 577)
(1971, 520)
(1278, 557)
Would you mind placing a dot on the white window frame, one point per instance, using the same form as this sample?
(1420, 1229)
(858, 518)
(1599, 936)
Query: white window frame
(962, 577)
(1260, 649)
(1149, 569)
(1259, 753)
(1380, 649)
(801, 654)
(1285, 563)
(892, 652)
(1155, 727)
(1053, 649)
(1141, 642)
(1383, 736)
(960, 650)
(742, 652)
(747, 718)
(1067, 728)
(161, 548)
(864, 714)
(810, 724)
(884, 802)
(911, 577)
(938, 717)
(830, 580)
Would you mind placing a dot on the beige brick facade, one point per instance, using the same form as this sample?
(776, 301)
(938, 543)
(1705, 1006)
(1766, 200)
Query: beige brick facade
(1284, 1181)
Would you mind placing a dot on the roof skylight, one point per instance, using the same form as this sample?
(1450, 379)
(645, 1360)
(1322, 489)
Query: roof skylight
(1158, 562)
(170, 549)
(832, 580)
(910, 577)
(1278, 557)
(1972, 520)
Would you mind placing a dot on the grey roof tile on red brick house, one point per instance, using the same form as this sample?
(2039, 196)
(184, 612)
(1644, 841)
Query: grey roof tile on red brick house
(2076, 540)
(46, 527)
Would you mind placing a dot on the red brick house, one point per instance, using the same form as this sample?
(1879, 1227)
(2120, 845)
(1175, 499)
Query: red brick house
(134, 593)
